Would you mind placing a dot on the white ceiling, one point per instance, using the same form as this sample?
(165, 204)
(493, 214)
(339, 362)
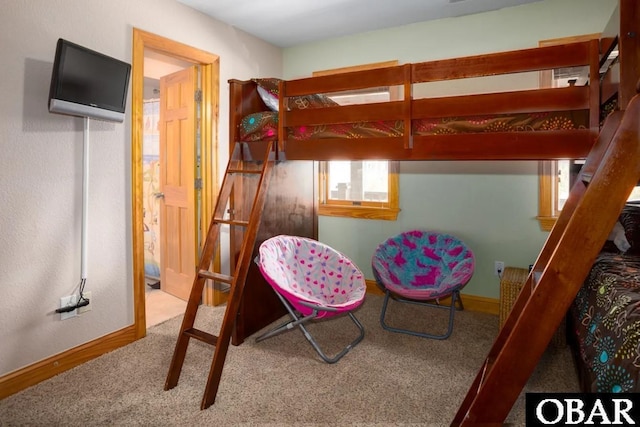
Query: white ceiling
(287, 23)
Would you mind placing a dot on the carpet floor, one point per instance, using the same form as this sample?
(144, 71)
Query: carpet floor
(388, 379)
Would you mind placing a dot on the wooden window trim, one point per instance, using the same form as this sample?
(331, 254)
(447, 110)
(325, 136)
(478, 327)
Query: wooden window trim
(547, 214)
(366, 210)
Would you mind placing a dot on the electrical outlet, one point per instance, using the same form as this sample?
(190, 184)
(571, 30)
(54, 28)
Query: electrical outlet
(65, 302)
(86, 308)
(498, 268)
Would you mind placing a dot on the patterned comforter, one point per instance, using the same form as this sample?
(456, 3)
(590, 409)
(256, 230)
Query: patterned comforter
(606, 321)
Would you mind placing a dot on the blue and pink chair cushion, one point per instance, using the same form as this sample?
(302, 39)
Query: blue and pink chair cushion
(423, 265)
(306, 270)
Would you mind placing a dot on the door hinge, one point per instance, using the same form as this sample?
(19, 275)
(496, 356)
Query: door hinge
(198, 184)
(198, 95)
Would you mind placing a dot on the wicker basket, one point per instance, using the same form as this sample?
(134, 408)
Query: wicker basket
(511, 283)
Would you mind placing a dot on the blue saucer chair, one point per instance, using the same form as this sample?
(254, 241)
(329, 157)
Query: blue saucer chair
(422, 267)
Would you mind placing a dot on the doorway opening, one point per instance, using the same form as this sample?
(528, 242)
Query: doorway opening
(153, 49)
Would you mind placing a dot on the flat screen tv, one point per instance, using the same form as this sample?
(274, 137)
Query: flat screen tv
(87, 83)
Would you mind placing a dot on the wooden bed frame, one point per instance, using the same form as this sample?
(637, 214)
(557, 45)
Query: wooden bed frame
(521, 145)
(476, 146)
(619, 81)
(284, 200)
(295, 186)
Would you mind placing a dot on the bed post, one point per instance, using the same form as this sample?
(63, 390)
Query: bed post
(281, 127)
(594, 86)
(408, 101)
(629, 45)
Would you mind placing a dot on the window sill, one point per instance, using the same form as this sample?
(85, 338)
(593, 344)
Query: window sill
(546, 222)
(361, 212)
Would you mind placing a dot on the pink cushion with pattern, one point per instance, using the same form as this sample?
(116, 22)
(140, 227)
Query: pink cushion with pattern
(423, 265)
(303, 269)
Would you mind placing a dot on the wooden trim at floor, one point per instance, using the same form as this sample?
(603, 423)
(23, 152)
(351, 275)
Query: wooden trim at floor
(33, 374)
(470, 302)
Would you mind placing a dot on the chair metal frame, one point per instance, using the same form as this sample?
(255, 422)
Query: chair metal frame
(455, 298)
(298, 320)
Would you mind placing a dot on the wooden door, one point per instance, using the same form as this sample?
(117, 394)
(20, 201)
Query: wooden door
(177, 182)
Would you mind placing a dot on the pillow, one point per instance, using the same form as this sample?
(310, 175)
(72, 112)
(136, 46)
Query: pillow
(269, 100)
(259, 126)
(630, 220)
(619, 237)
(269, 91)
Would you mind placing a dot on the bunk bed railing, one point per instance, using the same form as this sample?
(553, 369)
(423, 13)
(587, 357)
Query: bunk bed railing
(516, 61)
(579, 54)
(350, 81)
(394, 110)
(539, 145)
(526, 101)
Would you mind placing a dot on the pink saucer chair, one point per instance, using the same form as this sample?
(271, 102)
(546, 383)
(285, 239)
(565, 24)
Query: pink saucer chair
(313, 281)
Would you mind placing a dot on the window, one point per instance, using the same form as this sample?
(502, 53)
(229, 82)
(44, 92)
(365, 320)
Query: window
(365, 189)
(359, 189)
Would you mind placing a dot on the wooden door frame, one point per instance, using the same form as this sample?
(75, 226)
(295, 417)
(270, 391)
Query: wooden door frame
(210, 82)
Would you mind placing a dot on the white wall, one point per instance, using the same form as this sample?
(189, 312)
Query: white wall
(41, 165)
(490, 205)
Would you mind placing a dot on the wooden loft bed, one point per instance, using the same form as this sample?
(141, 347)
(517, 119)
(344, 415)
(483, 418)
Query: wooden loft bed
(422, 137)
(419, 128)
(399, 126)
(541, 123)
(413, 127)
(407, 129)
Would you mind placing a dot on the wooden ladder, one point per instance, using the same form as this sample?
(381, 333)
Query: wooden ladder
(609, 174)
(247, 161)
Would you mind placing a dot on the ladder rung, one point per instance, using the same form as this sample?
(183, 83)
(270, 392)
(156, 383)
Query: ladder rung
(536, 277)
(202, 336)
(486, 367)
(586, 177)
(232, 222)
(249, 171)
(219, 277)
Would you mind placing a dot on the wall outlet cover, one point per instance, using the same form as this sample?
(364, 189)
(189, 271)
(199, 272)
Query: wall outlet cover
(65, 302)
(498, 268)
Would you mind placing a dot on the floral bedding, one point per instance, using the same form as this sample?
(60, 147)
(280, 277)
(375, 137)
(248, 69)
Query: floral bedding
(605, 316)
(264, 125)
(526, 122)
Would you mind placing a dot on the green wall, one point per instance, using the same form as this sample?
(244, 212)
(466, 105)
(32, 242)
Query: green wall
(490, 205)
